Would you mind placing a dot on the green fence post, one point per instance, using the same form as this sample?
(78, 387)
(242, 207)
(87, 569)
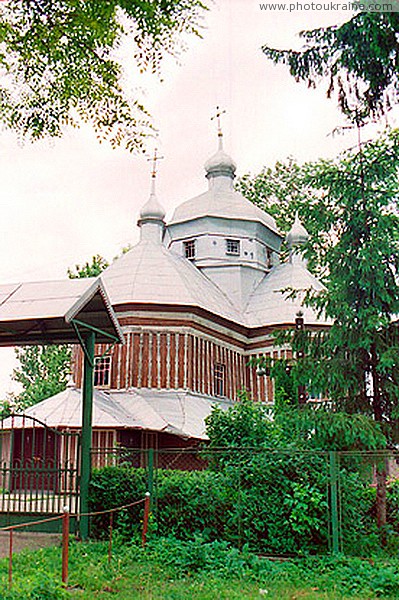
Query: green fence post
(87, 411)
(335, 528)
(150, 479)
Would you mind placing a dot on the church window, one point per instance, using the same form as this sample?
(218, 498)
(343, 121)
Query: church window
(189, 249)
(219, 376)
(102, 371)
(233, 247)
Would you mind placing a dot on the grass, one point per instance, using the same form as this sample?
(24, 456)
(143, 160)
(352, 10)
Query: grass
(172, 570)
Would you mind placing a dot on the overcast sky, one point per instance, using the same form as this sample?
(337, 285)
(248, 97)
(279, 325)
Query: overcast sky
(63, 201)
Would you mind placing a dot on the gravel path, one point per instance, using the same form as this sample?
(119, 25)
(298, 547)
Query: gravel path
(30, 540)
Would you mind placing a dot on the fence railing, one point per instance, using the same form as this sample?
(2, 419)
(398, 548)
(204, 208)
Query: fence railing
(65, 519)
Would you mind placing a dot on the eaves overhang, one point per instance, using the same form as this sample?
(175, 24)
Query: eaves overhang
(48, 312)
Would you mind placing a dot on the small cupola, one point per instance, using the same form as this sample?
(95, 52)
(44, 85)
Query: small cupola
(220, 168)
(220, 164)
(296, 237)
(152, 214)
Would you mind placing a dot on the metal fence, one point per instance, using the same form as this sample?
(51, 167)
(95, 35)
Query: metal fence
(39, 467)
(273, 501)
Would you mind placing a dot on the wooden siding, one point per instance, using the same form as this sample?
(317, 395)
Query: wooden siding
(173, 360)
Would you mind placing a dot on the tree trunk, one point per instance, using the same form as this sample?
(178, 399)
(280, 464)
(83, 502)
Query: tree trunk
(381, 466)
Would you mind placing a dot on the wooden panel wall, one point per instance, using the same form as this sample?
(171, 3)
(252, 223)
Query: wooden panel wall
(178, 360)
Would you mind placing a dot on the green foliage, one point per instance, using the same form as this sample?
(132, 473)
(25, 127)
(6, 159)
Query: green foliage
(244, 424)
(90, 269)
(247, 424)
(350, 206)
(359, 60)
(43, 372)
(112, 487)
(172, 568)
(59, 62)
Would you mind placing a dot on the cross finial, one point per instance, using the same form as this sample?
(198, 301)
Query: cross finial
(217, 116)
(154, 160)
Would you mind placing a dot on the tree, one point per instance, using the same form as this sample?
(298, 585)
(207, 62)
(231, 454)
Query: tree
(355, 360)
(96, 267)
(350, 206)
(289, 188)
(274, 465)
(59, 63)
(43, 370)
(359, 60)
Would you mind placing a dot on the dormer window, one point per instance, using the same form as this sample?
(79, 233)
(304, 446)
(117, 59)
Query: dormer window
(233, 247)
(102, 371)
(189, 249)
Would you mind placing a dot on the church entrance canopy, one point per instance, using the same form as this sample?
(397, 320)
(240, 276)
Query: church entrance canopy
(73, 311)
(56, 312)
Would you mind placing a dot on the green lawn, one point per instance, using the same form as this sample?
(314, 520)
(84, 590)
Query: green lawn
(173, 570)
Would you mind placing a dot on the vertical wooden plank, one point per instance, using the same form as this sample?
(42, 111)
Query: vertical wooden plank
(236, 384)
(246, 373)
(172, 362)
(163, 354)
(188, 361)
(181, 364)
(199, 376)
(167, 361)
(155, 360)
(158, 360)
(136, 364)
(145, 360)
(177, 342)
(206, 367)
(150, 336)
(229, 373)
(117, 352)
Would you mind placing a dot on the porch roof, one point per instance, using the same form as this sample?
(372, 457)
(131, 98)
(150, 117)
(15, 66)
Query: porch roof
(178, 412)
(47, 312)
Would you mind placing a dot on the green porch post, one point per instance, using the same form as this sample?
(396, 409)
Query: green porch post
(87, 411)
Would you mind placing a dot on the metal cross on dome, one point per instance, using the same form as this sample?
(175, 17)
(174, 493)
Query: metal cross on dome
(154, 160)
(217, 116)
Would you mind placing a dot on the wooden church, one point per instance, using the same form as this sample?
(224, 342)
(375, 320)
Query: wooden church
(197, 298)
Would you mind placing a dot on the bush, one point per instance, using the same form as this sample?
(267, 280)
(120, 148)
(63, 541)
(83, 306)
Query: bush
(266, 502)
(111, 487)
(273, 502)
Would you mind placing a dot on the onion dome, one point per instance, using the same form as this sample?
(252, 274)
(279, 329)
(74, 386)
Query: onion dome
(152, 209)
(220, 163)
(152, 215)
(297, 234)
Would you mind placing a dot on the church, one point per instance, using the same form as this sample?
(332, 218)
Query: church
(198, 297)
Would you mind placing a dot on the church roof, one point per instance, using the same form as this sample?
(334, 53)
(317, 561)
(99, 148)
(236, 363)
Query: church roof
(177, 412)
(223, 203)
(150, 274)
(271, 304)
(221, 200)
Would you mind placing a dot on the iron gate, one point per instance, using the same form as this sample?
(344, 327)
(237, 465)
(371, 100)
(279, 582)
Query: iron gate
(39, 467)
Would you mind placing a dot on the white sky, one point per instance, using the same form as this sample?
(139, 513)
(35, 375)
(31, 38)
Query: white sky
(63, 201)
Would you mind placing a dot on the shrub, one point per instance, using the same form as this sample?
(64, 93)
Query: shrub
(111, 487)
